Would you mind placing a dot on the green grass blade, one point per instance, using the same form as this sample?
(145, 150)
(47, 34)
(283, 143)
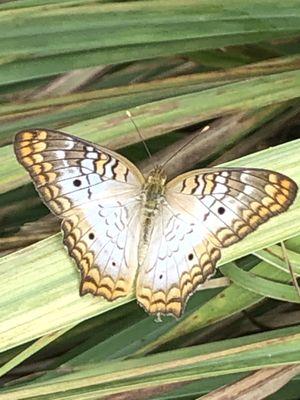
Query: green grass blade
(69, 109)
(56, 38)
(214, 359)
(169, 114)
(29, 351)
(256, 284)
(274, 256)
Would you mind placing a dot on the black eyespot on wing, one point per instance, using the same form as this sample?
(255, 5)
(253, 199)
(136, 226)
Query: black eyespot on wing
(91, 236)
(160, 276)
(113, 264)
(221, 210)
(77, 182)
(190, 256)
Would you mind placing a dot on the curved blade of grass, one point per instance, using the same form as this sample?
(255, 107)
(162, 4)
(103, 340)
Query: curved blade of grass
(39, 285)
(256, 284)
(166, 115)
(273, 255)
(56, 38)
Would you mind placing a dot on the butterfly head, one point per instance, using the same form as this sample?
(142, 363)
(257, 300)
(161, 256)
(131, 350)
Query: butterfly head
(157, 176)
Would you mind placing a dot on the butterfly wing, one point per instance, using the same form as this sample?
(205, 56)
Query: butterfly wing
(95, 191)
(205, 210)
(103, 244)
(179, 258)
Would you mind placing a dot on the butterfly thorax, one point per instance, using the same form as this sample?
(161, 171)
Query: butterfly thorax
(152, 198)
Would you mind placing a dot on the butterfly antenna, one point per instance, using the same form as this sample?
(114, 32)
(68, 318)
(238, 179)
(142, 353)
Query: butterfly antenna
(139, 133)
(206, 128)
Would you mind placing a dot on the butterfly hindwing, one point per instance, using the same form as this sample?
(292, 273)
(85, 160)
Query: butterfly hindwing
(180, 258)
(94, 191)
(205, 211)
(102, 241)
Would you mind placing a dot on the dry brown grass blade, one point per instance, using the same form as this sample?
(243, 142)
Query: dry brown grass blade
(254, 142)
(256, 386)
(29, 233)
(222, 133)
(68, 82)
(146, 393)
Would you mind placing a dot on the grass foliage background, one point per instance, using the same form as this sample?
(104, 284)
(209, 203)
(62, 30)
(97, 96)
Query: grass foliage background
(178, 66)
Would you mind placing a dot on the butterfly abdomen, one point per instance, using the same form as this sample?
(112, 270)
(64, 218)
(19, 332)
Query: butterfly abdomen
(152, 199)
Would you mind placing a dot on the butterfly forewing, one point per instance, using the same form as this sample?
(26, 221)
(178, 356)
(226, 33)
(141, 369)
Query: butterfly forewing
(231, 203)
(69, 172)
(95, 191)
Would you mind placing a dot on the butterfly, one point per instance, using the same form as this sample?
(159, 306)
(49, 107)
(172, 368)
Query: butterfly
(124, 229)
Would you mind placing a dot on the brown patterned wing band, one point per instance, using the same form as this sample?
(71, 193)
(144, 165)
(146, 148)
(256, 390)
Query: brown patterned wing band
(98, 242)
(231, 203)
(94, 191)
(69, 172)
(165, 287)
